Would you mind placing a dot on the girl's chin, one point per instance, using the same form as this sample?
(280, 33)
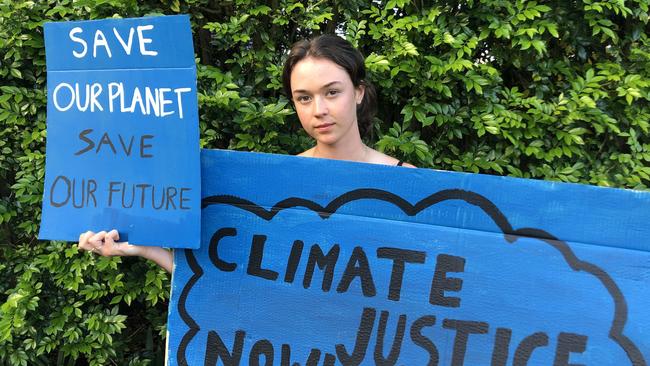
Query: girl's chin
(328, 141)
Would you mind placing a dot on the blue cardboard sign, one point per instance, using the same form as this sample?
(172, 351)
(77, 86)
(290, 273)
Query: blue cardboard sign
(304, 263)
(122, 124)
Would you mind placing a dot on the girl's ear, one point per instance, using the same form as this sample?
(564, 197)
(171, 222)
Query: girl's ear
(359, 91)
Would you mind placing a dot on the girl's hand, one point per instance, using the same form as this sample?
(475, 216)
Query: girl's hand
(107, 244)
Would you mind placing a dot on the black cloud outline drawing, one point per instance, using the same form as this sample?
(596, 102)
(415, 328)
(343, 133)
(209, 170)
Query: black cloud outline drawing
(510, 234)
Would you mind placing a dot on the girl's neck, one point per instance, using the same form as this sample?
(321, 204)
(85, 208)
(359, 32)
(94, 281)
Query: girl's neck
(352, 151)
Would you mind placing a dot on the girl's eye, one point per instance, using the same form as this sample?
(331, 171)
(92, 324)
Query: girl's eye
(303, 99)
(333, 92)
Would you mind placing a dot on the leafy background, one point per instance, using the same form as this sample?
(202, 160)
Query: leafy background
(554, 90)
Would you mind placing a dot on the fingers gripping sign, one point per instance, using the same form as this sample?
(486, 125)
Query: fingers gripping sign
(103, 243)
(107, 244)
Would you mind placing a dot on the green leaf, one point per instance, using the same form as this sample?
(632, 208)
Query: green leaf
(175, 6)
(539, 45)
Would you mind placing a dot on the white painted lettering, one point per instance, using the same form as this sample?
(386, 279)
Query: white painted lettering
(144, 41)
(152, 101)
(83, 43)
(114, 90)
(100, 40)
(163, 101)
(125, 45)
(95, 92)
(178, 92)
(137, 99)
(56, 99)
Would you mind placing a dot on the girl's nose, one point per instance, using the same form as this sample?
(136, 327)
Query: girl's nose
(320, 106)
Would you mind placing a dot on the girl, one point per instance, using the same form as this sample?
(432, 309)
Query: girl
(325, 79)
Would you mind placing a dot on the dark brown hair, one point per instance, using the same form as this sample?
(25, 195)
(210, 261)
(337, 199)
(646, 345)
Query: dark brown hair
(342, 53)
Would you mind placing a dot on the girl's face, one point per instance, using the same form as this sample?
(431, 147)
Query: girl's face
(326, 101)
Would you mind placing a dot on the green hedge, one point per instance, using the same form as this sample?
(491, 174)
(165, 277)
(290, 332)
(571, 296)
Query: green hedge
(554, 90)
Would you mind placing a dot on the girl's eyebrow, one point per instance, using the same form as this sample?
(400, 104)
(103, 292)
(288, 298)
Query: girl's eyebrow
(331, 83)
(323, 87)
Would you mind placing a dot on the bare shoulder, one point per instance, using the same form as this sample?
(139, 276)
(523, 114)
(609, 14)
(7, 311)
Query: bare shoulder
(308, 153)
(377, 157)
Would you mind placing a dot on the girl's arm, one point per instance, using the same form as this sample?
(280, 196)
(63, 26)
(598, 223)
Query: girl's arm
(106, 244)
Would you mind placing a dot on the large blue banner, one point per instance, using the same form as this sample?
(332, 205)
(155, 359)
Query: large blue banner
(316, 262)
(122, 124)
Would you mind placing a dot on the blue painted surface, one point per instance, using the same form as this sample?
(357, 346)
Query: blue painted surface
(169, 36)
(547, 269)
(141, 130)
